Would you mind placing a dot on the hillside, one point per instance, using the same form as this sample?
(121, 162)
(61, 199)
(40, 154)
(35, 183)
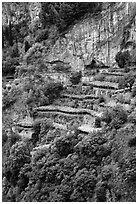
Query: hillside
(69, 102)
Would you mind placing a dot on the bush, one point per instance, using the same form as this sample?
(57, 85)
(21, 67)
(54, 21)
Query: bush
(52, 90)
(107, 117)
(9, 98)
(19, 155)
(42, 35)
(76, 77)
(97, 122)
(9, 66)
(123, 59)
(127, 81)
(34, 53)
(115, 117)
(119, 117)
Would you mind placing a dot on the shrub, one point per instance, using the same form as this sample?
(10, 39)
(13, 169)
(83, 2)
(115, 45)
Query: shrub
(10, 98)
(76, 77)
(9, 66)
(97, 122)
(52, 90)
(19, 155)
(107, 117)
(63, 146)
(34, 53)
(123, 59)
(127, 81)
(115, 117)
(42, 35)
(119, 117)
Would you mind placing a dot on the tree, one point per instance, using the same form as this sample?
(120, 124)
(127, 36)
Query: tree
(63, 14)
(115, 117)
(19, 155)
(123, 59)
(14, 14)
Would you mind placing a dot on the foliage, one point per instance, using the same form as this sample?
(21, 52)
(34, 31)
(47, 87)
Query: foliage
(66, 172)
(19, 155)
(15, 21)
(75, 78)
(97, 122)
(124, 179)
(124, 97)
(10, 97)
(9, 66)
(115, 117)
(64, 145)
(34, 53)
(66, 165)
(123, 59)
(127, 81)
(42, 35)
(63, 14)
(41, 92)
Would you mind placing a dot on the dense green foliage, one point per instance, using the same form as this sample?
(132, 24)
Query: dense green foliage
(64, 14)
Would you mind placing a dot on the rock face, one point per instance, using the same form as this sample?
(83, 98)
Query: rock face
(99, 37)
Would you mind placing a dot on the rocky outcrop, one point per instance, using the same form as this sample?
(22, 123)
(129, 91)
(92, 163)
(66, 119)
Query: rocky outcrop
(98, 37)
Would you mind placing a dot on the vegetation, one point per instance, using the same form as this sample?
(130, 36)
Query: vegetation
(127, 81)
(76, 78)
(115, 117)
(63, 14)
(123, 59)
(59, 161)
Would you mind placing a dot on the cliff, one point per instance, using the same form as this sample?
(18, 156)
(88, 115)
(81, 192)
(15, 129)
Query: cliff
(99, 37)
